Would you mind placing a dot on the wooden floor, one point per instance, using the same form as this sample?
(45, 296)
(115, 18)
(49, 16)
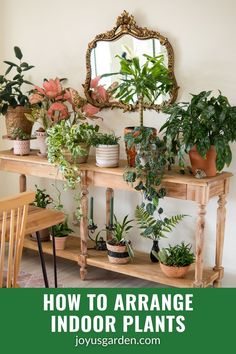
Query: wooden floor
(68, 274)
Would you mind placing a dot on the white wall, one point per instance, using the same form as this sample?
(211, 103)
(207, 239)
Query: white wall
(53, 35)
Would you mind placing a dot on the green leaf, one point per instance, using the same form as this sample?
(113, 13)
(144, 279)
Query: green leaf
(18, 53)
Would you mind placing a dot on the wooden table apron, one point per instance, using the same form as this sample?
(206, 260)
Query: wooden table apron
(178, 186)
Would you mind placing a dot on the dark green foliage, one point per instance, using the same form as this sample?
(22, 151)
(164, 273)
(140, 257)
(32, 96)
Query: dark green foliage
(203, 122)
(61, 230)
(105, 139)
(11, 89)
(42, 199)
(176, 256)
(151, 161)
(155, 228)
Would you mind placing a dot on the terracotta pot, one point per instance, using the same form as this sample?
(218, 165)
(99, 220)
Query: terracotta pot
(207, 165)
(79, 159)
(131, 151)
(107, 155)
(60, 242)
(44, 235)
(15, 118)
(117, 254)
(174, 272)
(21, 147)
(41, 140)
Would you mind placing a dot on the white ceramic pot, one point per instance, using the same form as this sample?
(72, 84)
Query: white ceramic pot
(41, 140)
(21, 147)
(107, 155)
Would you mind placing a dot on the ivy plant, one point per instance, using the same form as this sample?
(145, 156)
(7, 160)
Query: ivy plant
(204, 121)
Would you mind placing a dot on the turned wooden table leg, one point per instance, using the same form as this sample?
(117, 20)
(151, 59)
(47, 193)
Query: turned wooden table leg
(220, 232)
(84, 225)
(198, 283)
(109, 195)
(22, 183)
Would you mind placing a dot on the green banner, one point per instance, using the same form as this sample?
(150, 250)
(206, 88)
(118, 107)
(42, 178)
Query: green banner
(117, 320)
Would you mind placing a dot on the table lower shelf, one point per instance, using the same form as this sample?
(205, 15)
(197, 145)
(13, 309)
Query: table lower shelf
(140, 267)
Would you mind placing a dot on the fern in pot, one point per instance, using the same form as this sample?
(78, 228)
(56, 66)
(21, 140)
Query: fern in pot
(107, 149)
(155, 228)
(119, 248)
(175, 261)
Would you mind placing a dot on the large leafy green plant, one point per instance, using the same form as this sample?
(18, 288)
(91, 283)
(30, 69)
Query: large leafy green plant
(11, 94)
(141, 83)
(155, 228)
(204, 121)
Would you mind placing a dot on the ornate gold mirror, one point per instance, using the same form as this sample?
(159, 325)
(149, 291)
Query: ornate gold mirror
(126, 38)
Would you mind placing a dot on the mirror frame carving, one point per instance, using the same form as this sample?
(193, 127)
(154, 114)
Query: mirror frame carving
(126, 24)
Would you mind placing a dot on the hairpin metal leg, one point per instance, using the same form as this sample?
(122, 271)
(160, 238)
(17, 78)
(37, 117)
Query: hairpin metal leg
(41, 255)
(54, 259)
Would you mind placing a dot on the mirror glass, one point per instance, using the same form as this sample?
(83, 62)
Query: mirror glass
(126, 40)
(103, 58)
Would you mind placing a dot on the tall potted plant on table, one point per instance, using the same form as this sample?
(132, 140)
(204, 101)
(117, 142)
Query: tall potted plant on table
(139, 84)
(14, 103)
(155, 228)
(204, 128)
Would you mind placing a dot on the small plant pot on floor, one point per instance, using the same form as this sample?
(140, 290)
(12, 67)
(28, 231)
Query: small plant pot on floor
(107, 155)
(174, 272)
(44, 235)
(117, 254)
(60, 242)
(21, 147)
(208, 165)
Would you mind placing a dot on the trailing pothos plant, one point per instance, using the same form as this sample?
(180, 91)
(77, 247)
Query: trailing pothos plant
(64, 138)
(204, 121)
(150, 163)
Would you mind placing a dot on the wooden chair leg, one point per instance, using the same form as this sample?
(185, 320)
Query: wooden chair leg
(42, 260)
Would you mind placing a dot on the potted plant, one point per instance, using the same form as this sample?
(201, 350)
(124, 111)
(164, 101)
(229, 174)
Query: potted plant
(107, 150)
(14, 103)
(175, 261)
(119, 249)
(204, 128)
(42, 200)
(155, 228)
(139, 84)
(21, 142)
(61, 232)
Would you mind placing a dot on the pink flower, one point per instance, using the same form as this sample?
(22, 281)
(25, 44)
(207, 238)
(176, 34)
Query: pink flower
(52, 88)
(58, 111)
(90, 110)
(100, 94)
(35, 98)
(94, 82)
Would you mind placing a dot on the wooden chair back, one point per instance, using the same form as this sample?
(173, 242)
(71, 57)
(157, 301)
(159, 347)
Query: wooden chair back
(13, 217)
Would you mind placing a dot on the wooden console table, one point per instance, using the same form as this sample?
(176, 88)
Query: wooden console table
(178, 186)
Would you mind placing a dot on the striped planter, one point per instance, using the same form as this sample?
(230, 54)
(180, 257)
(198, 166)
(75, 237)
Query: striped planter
(117, 254)
(107, 155)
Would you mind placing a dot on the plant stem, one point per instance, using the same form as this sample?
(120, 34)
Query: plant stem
(140, 99)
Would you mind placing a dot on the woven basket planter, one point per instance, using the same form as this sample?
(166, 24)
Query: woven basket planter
(79, 159)
(117, 254)
(107, 155)
(15, 118)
